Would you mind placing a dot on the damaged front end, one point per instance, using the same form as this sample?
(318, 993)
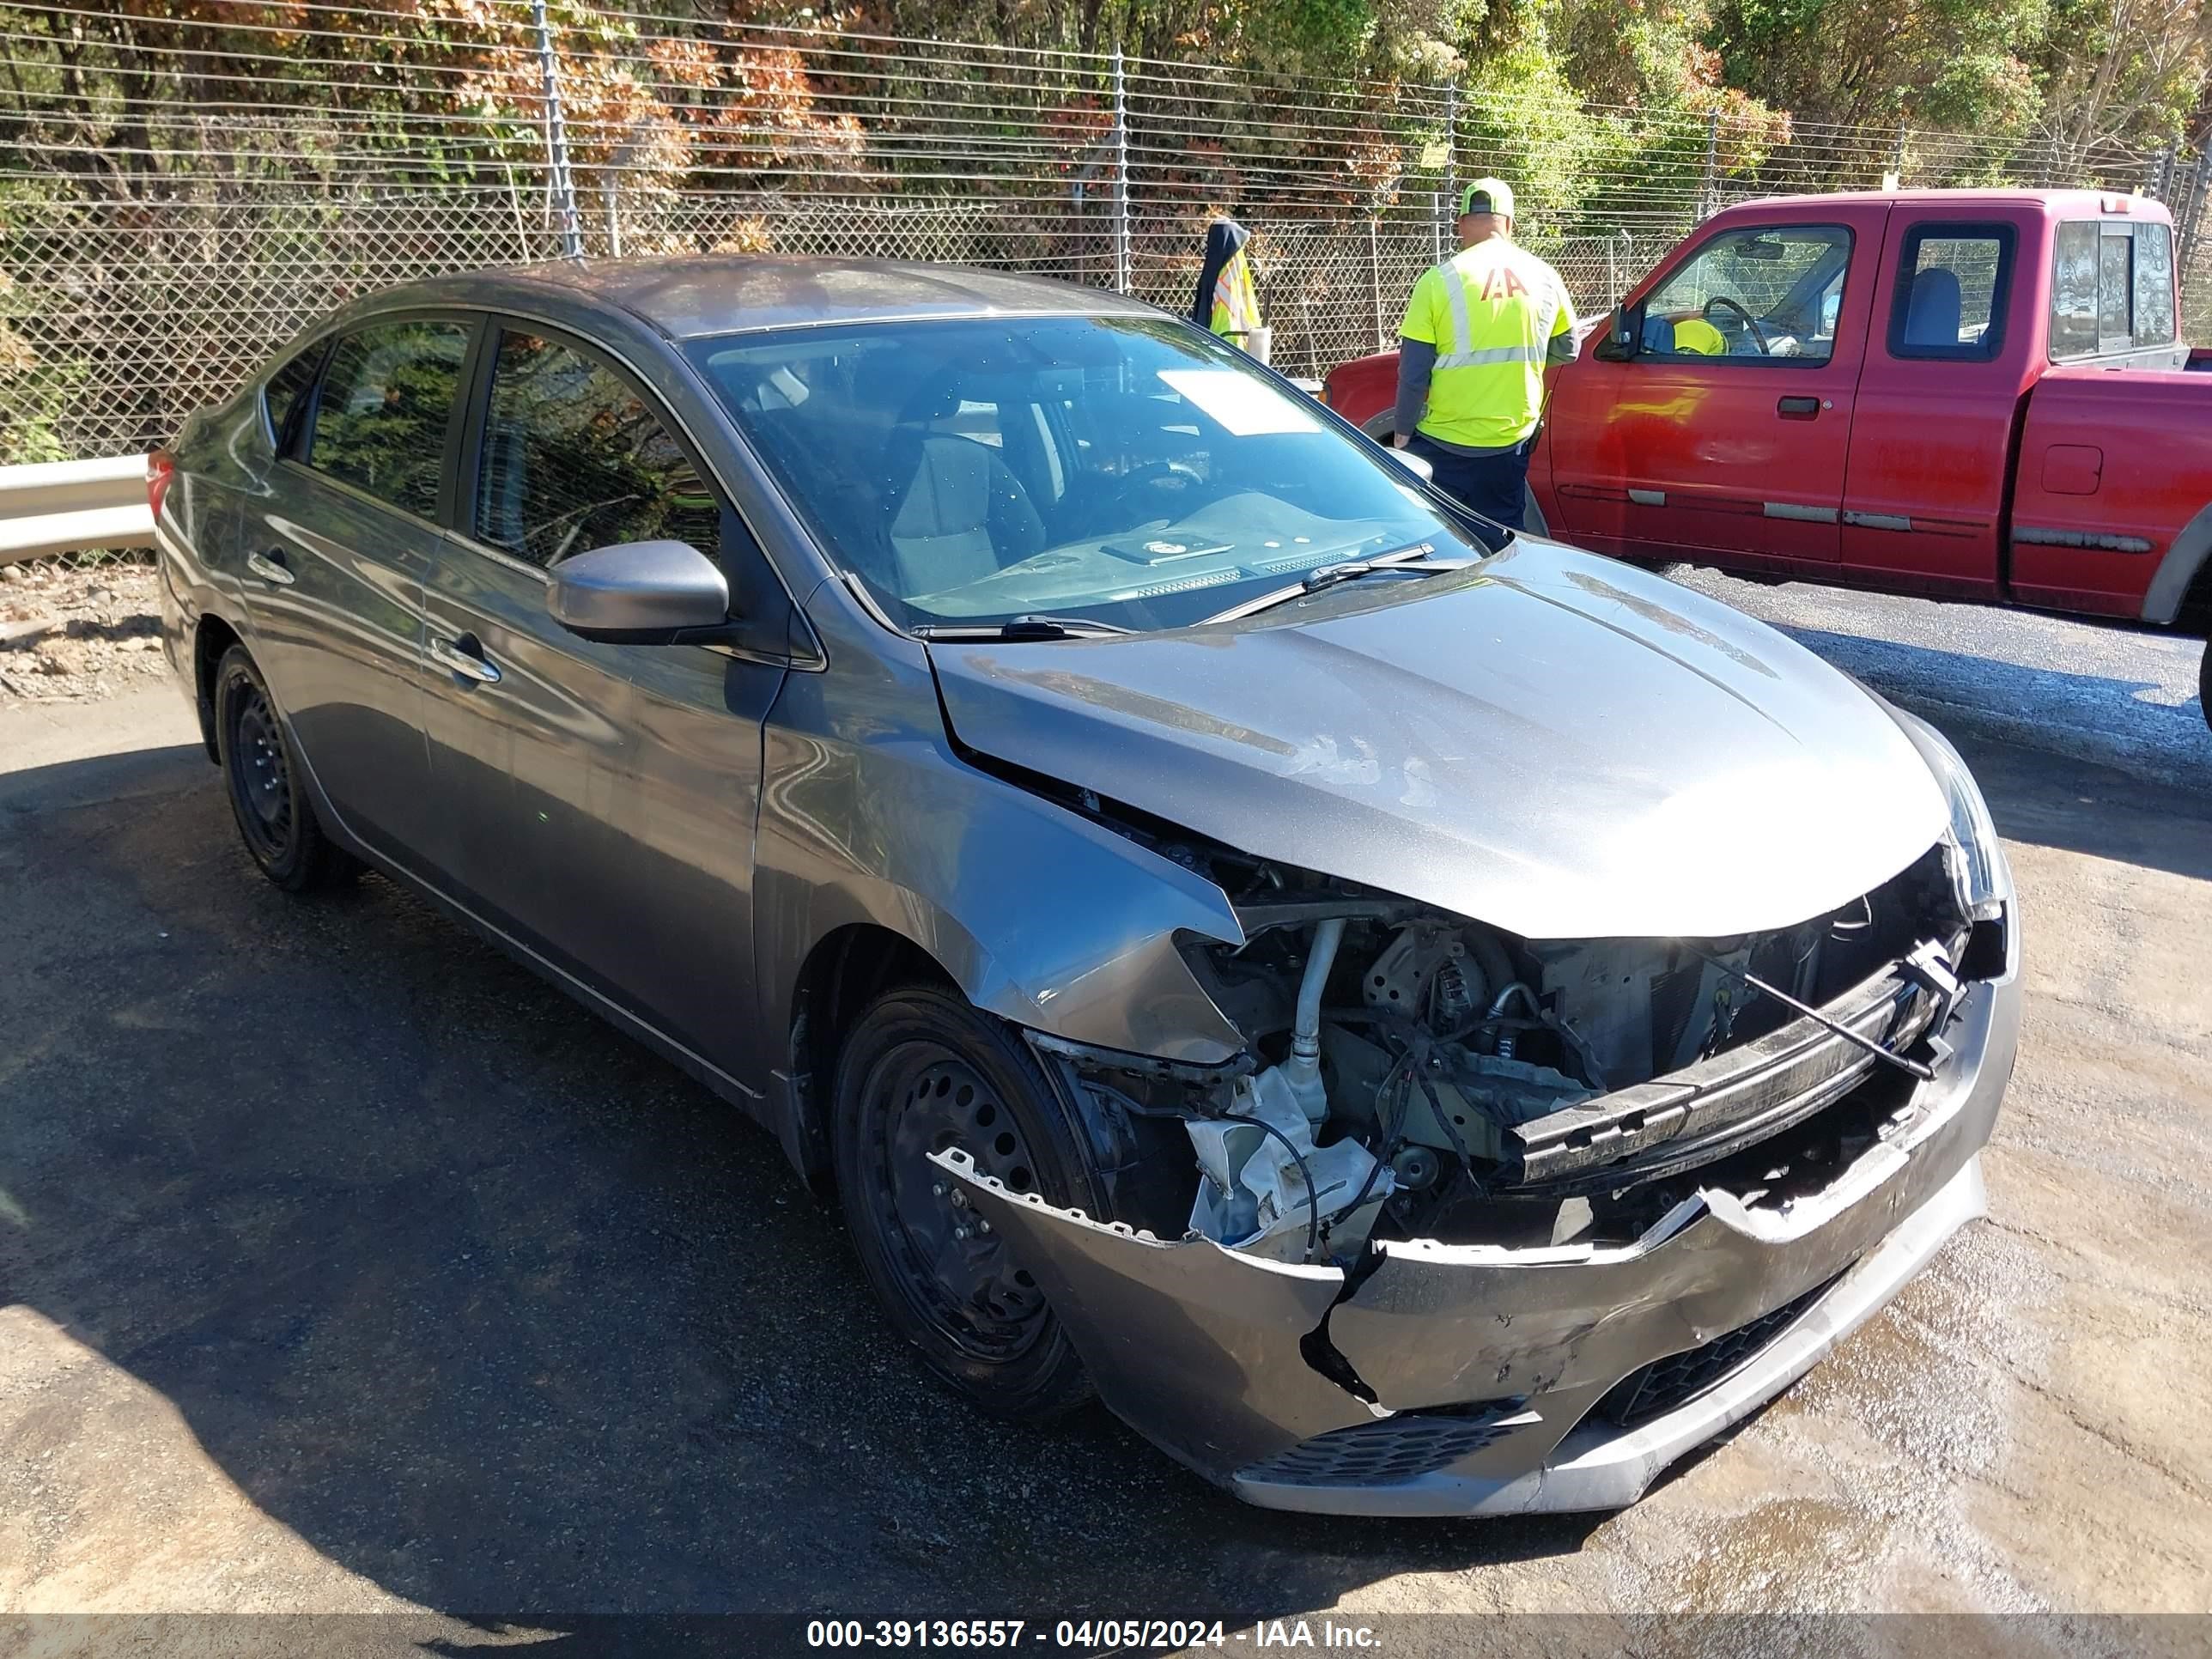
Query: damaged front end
(1481, 1224)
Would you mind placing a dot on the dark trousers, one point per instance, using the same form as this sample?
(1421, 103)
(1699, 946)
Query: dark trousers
(1494, 485)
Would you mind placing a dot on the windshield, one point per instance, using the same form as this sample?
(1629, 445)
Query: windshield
(1132, 472)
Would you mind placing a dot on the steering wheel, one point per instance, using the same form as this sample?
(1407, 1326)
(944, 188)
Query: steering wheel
(1155, 472)
(1758, 334)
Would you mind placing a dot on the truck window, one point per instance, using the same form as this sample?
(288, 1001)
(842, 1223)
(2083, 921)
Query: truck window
(1953, 282)
(2073, 283)
(2153, 285)
(2112, 288)
(2115, 292)
(1752, 295)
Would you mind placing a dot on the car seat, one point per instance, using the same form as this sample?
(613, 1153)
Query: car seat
(957, 512)
(1932, 311)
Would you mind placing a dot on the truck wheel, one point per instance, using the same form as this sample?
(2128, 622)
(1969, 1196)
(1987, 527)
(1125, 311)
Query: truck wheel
(2204, 683)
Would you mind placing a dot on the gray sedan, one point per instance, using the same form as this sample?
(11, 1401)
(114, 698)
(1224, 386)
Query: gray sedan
(1418, 1019)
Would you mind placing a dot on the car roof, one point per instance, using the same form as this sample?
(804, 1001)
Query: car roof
(2055, 204)
(688, 297)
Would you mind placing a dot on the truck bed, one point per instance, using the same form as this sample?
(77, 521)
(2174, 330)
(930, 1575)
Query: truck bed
(2114, 467)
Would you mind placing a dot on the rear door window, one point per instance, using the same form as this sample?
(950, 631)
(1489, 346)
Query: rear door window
(387, 400)
(285, 391)
(1953, 284)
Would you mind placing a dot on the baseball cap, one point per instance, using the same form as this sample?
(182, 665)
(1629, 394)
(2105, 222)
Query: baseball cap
(1487, 196)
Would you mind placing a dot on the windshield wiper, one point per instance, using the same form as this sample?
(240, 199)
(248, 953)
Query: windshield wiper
(1022, 627)
(1415, 561)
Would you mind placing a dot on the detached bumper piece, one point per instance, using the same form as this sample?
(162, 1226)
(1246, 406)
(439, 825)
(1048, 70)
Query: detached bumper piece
(1442, 1379)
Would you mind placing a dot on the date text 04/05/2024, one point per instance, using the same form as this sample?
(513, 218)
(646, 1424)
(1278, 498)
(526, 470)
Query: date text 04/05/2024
(1084, 1634)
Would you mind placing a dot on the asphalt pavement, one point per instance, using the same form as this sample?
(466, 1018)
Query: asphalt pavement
(344, 1266)
(2123, 698)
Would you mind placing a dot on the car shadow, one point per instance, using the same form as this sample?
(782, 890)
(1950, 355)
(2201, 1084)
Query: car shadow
(494, 1309)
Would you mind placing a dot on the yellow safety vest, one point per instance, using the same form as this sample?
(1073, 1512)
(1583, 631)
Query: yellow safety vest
(1699, 339)
(1492, 312)
(1236, 303)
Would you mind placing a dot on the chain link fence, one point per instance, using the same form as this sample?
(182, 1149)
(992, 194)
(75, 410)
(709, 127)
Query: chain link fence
(178, 196)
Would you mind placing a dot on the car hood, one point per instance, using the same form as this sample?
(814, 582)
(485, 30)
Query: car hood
(1556, 743)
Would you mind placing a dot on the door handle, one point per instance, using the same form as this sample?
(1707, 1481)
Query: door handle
(465, 657)
(1798, 409)
(270, 567)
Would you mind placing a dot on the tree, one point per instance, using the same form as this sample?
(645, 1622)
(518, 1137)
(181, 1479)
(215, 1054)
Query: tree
(1956, 64)
(2125, 71)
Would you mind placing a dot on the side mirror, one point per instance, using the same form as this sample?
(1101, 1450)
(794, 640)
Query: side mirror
(641, 593)
(1620, 342)
(1417, 464)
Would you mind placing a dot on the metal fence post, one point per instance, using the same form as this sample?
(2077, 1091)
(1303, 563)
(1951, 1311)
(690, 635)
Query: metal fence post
(1374, 278)
(1451, 143)
(1121, 273)
(1897, 157)
(1708, 191)
(562, 180)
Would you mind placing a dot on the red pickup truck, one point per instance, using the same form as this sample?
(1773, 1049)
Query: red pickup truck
(1912, 391)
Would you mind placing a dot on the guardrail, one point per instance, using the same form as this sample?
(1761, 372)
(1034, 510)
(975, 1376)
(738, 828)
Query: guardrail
(73, 507)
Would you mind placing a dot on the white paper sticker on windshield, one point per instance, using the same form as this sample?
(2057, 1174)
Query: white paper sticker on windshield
(1247, 405)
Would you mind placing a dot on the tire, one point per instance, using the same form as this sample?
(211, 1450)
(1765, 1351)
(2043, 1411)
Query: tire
(262, 771)
(2204, 683)
(921, 1070)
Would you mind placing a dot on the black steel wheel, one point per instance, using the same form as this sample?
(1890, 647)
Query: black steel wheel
(919, 1072)
(276, 819)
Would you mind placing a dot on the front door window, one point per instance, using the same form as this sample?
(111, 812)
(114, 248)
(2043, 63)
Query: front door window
(573, 460)
(1765, 293)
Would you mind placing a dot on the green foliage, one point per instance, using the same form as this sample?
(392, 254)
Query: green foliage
(1953, 64)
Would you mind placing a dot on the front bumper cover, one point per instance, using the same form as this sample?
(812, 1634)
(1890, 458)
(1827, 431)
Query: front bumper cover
(1485, 1362)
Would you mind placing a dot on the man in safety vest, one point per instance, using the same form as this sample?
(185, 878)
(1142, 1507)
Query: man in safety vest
(1480, 331)
(1227, 300)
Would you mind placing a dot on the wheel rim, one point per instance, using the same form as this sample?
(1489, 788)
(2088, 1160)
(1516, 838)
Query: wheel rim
(922, 1098)
(260, 772)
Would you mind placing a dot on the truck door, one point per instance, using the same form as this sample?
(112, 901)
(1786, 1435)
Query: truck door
(1724, 435)
(1931, 446)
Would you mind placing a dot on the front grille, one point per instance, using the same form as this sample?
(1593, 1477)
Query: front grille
(1664, 1384)
(1388, 1453)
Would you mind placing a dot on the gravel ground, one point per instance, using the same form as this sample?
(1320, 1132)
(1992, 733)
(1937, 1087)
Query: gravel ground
(101, 633)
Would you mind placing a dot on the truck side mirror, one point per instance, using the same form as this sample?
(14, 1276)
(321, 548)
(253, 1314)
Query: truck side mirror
(1620, 330)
